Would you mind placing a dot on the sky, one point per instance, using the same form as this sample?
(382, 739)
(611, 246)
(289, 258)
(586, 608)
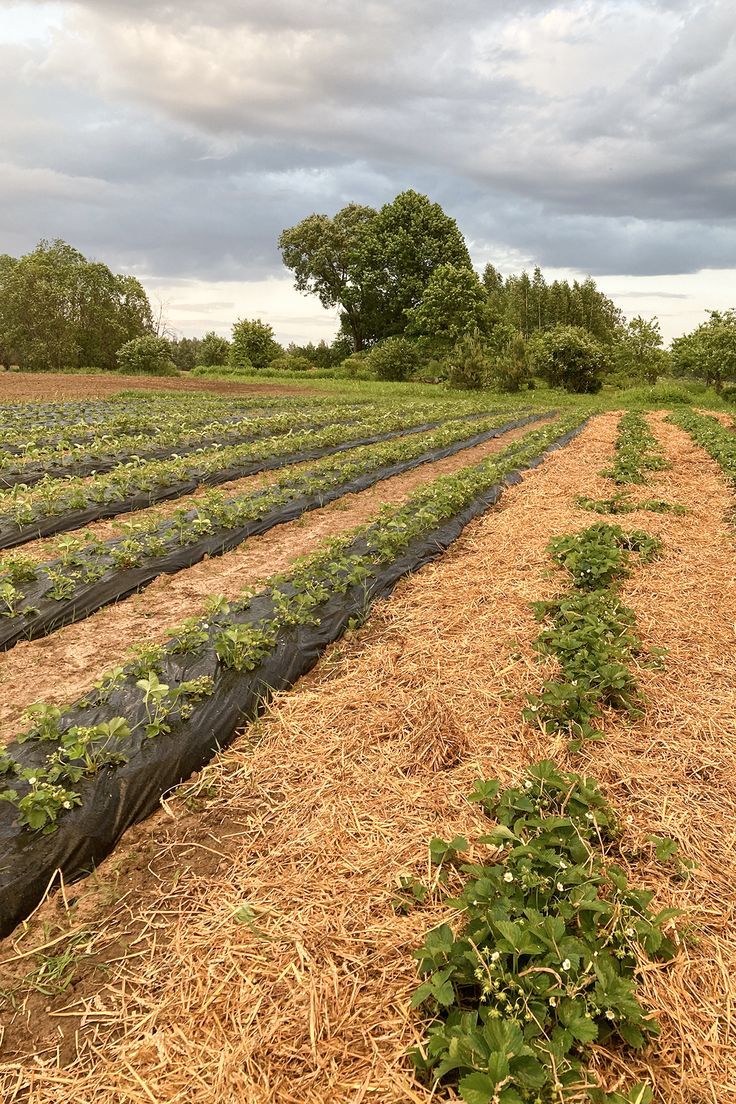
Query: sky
(175, 141)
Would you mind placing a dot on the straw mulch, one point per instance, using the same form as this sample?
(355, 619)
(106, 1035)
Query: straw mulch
(265, 963)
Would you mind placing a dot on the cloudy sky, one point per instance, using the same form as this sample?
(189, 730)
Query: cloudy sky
(175, 140)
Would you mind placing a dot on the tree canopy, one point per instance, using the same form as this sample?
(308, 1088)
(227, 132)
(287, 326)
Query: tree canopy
(709, 352)
(373, 265)
(58, 310)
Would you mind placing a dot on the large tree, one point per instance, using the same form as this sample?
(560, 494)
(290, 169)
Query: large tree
(454, 303)
(58, 310)
(709, 352)
(373, 265)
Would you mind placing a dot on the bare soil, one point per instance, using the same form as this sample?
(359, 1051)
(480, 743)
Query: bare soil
(50, 386)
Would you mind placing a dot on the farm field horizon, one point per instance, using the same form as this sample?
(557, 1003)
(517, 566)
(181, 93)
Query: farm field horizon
(365, 741)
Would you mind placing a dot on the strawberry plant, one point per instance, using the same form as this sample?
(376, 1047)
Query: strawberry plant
(545, 959)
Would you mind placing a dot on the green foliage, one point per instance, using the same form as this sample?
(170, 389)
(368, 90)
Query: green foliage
(622, 503)
(393, 359)
(291, 362)
(374, 265)
(453, 304)
(637, 451)
(531, 305)
(590, 632)
(253, 346)
(469, 365)
(639, 353)
(718, 440)
(509, 370)
(147, 355)
(545, 961)
(58, 310)
(709, 352)
(568, 357)
(213, 349)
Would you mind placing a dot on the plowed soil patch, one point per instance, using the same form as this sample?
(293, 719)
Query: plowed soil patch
(42, 386)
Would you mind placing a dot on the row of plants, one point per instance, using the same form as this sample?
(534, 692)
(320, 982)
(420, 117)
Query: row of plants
(718, 440)
(637, 451)
(590, 632)
(217, 524)
(545, 961)
(158, 691)
(172, 437)
(57, 505)
(637, 454)
(35, 424)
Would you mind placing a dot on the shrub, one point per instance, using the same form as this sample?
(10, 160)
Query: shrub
(510, 370)
(469, 366)
(148, 355)
(214, 349)
(394, 359)
(253, 345)
(291, 362)
(568, 357)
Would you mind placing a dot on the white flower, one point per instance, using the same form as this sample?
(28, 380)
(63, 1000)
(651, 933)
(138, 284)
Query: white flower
(553, 1002)
(527, 785)
(495, 956)
(589, 816)
(610, 1015)
(67, 804)
(560, 887)
(508, 876)
(630, 932)
(33, 781)
(566, 964)
(563, 864)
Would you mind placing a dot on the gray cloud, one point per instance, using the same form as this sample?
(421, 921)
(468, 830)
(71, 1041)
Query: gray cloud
(178, 140)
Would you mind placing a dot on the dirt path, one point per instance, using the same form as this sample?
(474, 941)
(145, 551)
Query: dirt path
(60, 667)
(265, 963)
(48, 386)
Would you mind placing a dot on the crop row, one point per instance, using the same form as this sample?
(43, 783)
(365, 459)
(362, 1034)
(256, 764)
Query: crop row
(637, 453)
(171, 438)
(154, 721)
(551, 938)
(55, 506)
(37, 598)
(719, 441)
(128, 412)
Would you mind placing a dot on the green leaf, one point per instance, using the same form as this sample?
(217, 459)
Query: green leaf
(530, 1072)
(477, 1088)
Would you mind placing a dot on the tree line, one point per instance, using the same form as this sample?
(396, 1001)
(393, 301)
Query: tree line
(409, 301)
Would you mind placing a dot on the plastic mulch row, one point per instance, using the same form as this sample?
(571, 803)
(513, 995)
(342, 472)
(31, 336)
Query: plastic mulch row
(120, 796)
(49, 614)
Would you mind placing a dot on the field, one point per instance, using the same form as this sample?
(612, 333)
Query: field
(315, 696)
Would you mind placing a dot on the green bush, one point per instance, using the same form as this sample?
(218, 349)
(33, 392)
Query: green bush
(568, 357)
(469, 366)
(148, 355)
(394, 359)
(291, 362)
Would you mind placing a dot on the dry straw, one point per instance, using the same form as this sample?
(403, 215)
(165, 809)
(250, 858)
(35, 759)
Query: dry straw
(261, 958)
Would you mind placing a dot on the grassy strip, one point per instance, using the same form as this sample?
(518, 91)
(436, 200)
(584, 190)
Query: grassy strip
(238, 637)
(590, 632)
(545, 962)
(86, 561)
